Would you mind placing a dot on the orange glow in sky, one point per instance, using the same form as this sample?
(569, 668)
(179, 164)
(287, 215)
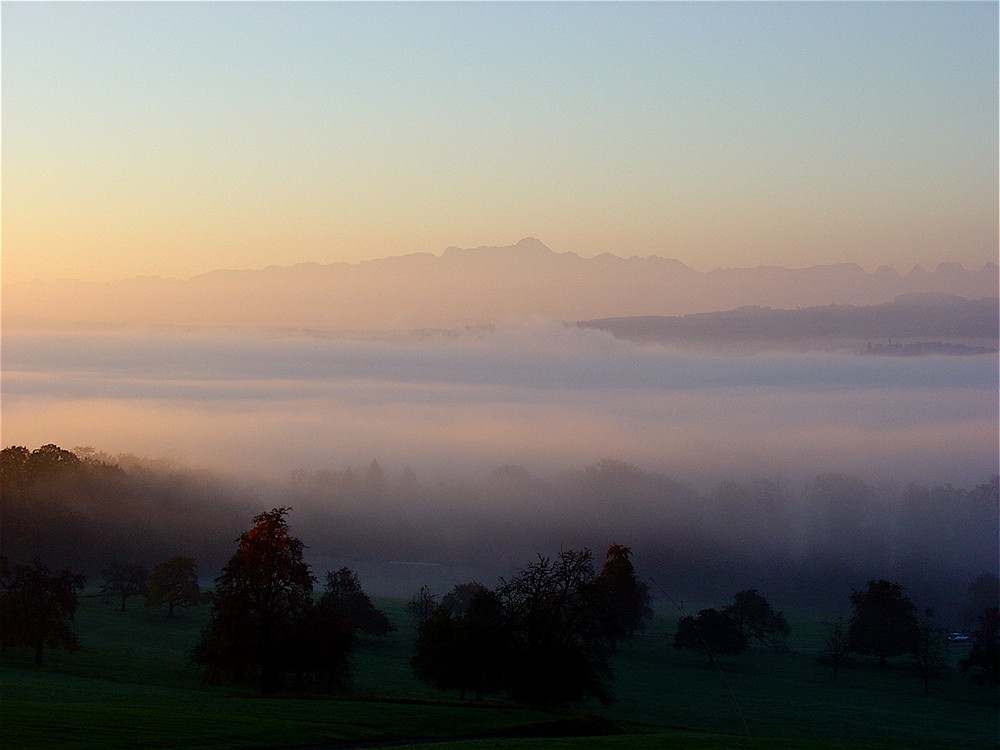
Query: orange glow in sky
(172, 139)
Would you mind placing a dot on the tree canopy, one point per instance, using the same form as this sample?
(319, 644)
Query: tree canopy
(983, 661)
(543, 636)
(344, 593)
(261, 595)
(626, 597)
(557, 624)
(711, 632)
(884, 622)
(123, 580)
(422, 605)
(462, 645)
(37, 607)
(174, 582)
(757, 620)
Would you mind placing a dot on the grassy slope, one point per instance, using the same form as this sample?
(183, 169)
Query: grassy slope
(132, 686)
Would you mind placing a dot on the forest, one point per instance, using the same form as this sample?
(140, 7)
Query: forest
(805, 541)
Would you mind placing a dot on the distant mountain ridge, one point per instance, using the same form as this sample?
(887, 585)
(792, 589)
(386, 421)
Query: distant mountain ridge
(464, 286)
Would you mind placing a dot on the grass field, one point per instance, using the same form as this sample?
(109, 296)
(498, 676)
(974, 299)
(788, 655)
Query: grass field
(133, 687)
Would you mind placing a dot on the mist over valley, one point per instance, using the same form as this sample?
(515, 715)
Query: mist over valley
(432, 457)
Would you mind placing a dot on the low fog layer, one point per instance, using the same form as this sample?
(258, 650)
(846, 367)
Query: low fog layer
(442, 459)
(542, 395)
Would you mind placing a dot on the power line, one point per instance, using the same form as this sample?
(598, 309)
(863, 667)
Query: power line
(711, 655)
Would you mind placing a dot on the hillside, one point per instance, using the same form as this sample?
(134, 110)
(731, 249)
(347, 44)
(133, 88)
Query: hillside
(959, 325)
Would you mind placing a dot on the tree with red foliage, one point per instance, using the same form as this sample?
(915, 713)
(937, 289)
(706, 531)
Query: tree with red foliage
(261, 599)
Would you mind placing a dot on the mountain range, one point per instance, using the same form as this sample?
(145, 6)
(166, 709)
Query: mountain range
(468, 287)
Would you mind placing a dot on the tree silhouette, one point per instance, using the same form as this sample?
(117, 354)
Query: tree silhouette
(124, 580)
(984, 657)
(263, 590)
(756, 619)
(931, 651)
(711, 632)
(174, 582)
(422, 605)
(558, 629)
(626, 598)
(462, 596)
(344, 593)
(462, 645)
(317, 645)
(884, 622)
(835, 648)
(981, 594)
(37, 607)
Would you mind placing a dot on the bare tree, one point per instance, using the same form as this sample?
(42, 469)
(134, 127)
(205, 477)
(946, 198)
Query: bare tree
(836, 647)
(124, 580)
(932, 650)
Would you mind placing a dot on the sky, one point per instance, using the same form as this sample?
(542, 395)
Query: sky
(175, 138)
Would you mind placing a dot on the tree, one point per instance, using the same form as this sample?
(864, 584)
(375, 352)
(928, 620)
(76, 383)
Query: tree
(262, 592)
(318, 644)
(835, 648)
(932, 650)
(711, 632)
(462, 596)
(344, 593)
(49, 460)
(627, 598)
(13, 468)
(174, 582)
(422, 605)
(981, 594)
(37, 608)
(558, 629)
(462, 645)
(983, 660)
(124, 580)
(757, 620)
(884, 622)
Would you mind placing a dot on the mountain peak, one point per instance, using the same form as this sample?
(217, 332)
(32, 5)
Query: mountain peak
(530, 243)
(528, 247)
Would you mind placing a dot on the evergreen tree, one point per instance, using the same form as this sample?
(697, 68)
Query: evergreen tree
(626, 598)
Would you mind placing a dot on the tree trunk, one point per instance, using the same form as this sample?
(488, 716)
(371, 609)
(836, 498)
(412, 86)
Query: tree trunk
(38, 655)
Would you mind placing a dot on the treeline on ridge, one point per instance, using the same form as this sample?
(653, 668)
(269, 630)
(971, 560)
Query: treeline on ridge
(81, 508)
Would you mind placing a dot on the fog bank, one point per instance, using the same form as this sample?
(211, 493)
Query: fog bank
(537, 394)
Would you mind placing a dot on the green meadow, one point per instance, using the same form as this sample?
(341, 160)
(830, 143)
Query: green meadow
(132, 686)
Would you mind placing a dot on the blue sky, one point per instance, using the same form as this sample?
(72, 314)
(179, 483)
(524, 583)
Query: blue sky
(172, 138)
